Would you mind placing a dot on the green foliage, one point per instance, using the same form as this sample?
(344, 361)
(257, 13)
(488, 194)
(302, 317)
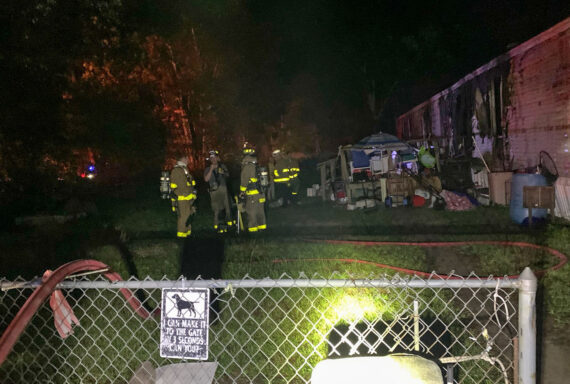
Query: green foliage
(272, 258)
(556, 284)
(501, 260)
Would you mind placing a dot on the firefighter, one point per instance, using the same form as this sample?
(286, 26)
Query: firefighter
(216, 175)
(279, 173)
(250, 191)
(184, 194)
(294, 184)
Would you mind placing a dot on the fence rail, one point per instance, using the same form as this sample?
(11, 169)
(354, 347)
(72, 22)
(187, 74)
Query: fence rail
(274, 330)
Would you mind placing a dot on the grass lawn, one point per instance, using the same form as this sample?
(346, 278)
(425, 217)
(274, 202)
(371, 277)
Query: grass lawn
(149, 226)
(136, 236)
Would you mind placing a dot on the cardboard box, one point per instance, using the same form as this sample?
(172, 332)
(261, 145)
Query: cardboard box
(538, 197)
(500, 187)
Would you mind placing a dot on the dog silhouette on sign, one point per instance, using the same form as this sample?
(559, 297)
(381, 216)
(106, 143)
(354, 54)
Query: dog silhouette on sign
(181, 305)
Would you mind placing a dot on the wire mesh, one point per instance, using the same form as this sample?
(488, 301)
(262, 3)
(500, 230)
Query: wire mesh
(269, 330)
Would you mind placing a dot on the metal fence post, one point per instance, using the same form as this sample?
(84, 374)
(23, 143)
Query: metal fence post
(527, 327)
(254, 319)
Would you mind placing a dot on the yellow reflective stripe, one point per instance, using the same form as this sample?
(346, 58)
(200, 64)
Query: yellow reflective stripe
(252, 229)
(285, 169)
(276, 173)
(193, 182)
(242, 188)
(293, 193)
(281, 180)
(187, 197)
(183, 234)
(262, 226)
(262, 200)
(253, 179)
(293, 176)
(252, 192)
(173, 186)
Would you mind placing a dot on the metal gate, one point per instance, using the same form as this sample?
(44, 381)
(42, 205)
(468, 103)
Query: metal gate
(479, 330)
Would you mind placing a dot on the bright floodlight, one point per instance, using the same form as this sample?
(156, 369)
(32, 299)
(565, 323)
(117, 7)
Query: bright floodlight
(351, 308)
(397, 368)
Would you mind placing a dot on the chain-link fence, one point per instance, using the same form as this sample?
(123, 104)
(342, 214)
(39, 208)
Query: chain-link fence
(269, 330)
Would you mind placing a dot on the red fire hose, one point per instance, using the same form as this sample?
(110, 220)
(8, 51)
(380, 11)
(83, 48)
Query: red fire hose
(37, 298)
(24, 315)
(561, 257)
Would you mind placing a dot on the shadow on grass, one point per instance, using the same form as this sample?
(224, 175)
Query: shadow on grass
(387, 338)
(203, 257)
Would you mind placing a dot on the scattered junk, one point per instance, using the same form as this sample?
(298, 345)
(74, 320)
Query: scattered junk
(500, 121)
(479, 142)
(313, 191)
(562, 197)
(381, 170)
(375, 171)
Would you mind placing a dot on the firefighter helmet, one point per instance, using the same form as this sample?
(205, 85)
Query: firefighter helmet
(248, 149)
(213, 152)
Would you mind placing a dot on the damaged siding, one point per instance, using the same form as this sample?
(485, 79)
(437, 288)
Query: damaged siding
(520, 100)
(539, 119)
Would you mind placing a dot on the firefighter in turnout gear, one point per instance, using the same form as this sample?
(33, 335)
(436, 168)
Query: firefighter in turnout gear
(293, 186)
(216, 175)
(184, 194)
(279, 173)
(250, 191)
(284, 172)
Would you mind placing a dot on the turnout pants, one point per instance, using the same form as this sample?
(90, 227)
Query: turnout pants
(281, 191)
(220, 202)
(294, 185)
(254, 207)
(184, 211)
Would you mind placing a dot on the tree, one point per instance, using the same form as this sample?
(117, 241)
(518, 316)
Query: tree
(41, 40)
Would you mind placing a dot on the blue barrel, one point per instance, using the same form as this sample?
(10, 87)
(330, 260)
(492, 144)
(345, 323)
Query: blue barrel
(519, 214)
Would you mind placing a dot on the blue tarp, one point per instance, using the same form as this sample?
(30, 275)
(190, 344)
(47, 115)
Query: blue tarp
(378, 140)
(360, 159)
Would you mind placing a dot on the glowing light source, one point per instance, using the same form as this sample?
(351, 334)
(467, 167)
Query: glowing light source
(350, 308)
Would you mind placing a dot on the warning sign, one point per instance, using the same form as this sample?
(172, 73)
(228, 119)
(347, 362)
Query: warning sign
(184, 323)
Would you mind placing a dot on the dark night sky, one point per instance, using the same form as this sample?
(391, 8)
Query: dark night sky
(332, 40)
(313, 62)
